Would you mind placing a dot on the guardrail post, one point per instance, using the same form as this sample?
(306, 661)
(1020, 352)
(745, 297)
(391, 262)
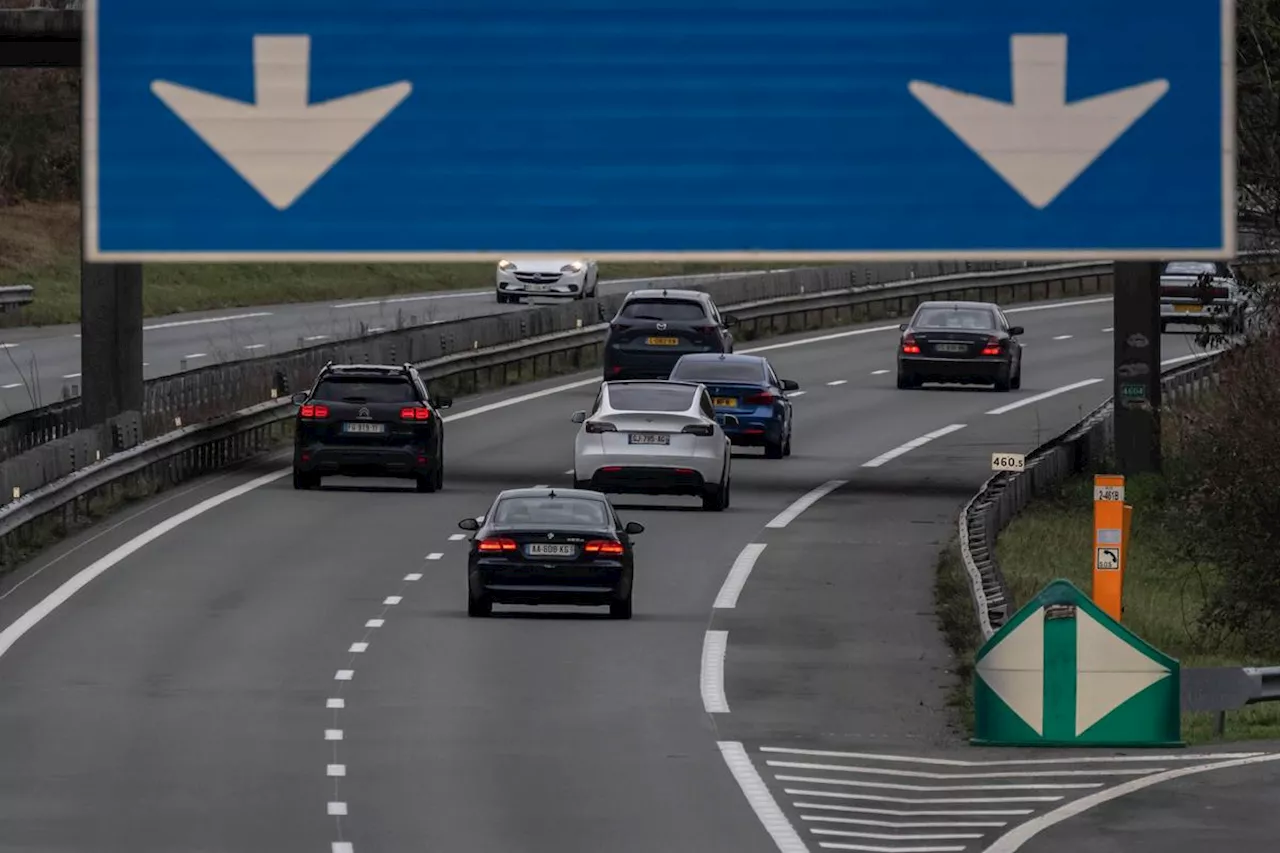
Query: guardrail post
(1137, 367)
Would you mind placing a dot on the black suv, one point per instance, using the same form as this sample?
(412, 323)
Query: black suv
(653, 328)
(369, 420)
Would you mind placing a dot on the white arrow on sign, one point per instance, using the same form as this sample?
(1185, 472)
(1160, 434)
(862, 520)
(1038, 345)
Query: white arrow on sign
(281, 144)
(1039, 144)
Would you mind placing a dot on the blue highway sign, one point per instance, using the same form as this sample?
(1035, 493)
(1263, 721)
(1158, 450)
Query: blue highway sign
(417, 130)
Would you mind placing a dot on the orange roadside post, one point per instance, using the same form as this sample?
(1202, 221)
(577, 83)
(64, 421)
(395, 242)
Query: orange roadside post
(1109, 540)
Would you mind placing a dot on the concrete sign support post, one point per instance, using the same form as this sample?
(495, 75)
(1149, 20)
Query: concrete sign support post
(1063, 673)
(1137, 367)
(110, 340)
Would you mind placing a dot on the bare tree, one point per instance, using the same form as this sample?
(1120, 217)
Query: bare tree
(1258, 110)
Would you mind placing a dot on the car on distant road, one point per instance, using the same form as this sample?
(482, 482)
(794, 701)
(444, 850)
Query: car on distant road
(555, 278)
(654, 328)
(654, 438)
(969, 343)
(1201, 293)
(550, 546)
(369, 420)
(746, 387)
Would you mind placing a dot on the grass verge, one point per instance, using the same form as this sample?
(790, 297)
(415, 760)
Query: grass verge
(40, 246)
(1163, 594)
(959, 625)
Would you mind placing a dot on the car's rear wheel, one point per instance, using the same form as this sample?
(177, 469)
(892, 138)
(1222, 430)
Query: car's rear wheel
(786, 447)
(907, 380)
(620, 609)
(1003, 381)
(303, 480)
(716, 498)
(432, 481)
(1016, 382)
(478, 606)
(775, 450)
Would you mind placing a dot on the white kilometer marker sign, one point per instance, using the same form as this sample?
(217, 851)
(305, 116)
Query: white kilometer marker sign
(1039, 144)
(281, 144)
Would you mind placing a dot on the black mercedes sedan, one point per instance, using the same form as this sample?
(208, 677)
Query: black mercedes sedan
(550, 546)
(969, 343)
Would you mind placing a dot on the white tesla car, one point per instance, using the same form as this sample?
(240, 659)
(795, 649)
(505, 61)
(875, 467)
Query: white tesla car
(562, 278)
(654, 438)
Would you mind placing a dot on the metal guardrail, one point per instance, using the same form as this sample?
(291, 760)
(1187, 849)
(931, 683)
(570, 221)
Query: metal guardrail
(15, 296)
(1005, 494)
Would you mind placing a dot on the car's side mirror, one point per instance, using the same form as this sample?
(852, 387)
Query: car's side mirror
(578, 417)
(444, 401)
(469, 524)
(634, 527)
(902, 327)
(299, 398)
(790, 385)
(1016, 330)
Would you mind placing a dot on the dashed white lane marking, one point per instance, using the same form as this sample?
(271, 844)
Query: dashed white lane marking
(761, 801)
(12, 385)
(1108, 330)
(174, 324)
(1062, 337)
(7, 346)
(254, 346)
(376, 329)
(335, 704)
(344, 675)
(333, 734)
(837, 382)
(358, 648)
(570, 471)
(1044, 396)
(457, 537)
(738, 574)
(879, 372)
(391, 599)
(789, 394)
(375, 623)
(336, 770)
(342, 847)
(196, 355)
(315, 337)
(337, 809)
(71, 376)
(434, 555)
(714, 645)
(413, 576)
(802, 503)
(911, 445)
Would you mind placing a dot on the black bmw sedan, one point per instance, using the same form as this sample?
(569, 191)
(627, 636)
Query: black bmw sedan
(550, 546)
(969, 343)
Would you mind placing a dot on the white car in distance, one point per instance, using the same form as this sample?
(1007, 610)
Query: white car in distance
(654, 437)
(555, 278)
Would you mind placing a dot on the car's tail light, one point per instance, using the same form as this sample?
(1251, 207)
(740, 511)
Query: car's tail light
(909, 345)
(600, 426)
(603, 546)
(705, 330)
(764, 398)
(312, 412)
(415, 413)
(992, 346)
(496, 545)
(703, 430)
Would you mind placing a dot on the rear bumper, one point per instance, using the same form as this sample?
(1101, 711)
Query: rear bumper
(532, 583)
(962, 370)
(1202, 316)
(341, 460)
(649, 480)
(754, 432)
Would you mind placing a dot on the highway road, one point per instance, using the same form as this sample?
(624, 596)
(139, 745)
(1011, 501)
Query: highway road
(37, 364)
(237, 666)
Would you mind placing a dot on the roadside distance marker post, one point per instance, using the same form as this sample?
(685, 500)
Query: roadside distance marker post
(1012, 462)
(1063, 673)
(1110, 543)
(385, 131)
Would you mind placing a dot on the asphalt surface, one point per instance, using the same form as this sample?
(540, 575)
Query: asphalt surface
(51, 354)
(296, 671)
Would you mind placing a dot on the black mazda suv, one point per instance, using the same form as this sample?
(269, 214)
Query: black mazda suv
(369, 420)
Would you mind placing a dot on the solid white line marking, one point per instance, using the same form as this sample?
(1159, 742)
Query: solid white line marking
(13, 385)
(928, 801)
(832, 845)
(914, 812)
(344, 675)
(336, 770)
(337, 809)
(196, 355)
(413, 576)
(837, 382)
(570, 471)
(375, 623)
(879, 372)
(802, 503)
(376, 329)
(1192, 357)
(1017, 762)
(1055, 305)
(342, 847)
(880, 836)
(315, 337)
(425, 298)
(895, 786)
(335, 704)
(254, 346)
(761, 801)
(79, 580)
(358, 648)
(391, 599)
(924, 774)
(71, 376)
(911, 445)
(457, 537)
(1044, 396)
(1019, 835)
(714, 646)
(907, 824)
(1062, 337)
(434, 555)
(1108, 330)
(523, 398)
(333, 734)
(541, 486)
(738, 574)
(178, 323)
(822, 339)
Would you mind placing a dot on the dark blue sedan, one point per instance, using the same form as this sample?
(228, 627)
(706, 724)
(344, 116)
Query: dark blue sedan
(746, 387)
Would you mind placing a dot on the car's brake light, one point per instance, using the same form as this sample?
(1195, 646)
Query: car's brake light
(909, 345)
(992, 347)
(703, 430)
(496, 545)
(600, 426)
(603, 546)
(314, 412)
(415, 413)
(764, 398)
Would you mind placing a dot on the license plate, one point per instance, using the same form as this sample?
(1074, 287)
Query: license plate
(725, 402)
(648, 438)
(539, 288)
(364, 428)
(1187, 309)
(545, 550)
(664, 342)
(952, 347)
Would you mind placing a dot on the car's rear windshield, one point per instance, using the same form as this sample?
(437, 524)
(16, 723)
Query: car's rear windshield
(1194, 268)
(651, 398)
(663, 309)
(340, 389)
(718, 371)
(575, 512)
(956, 318)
